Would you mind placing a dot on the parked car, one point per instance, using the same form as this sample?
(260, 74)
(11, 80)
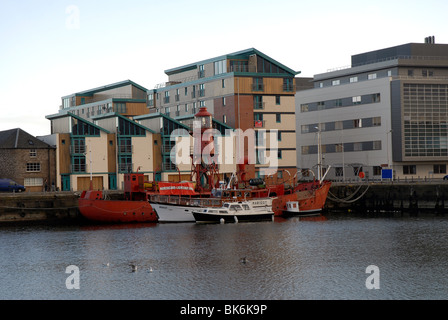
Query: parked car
(10, 185)
(445, 177)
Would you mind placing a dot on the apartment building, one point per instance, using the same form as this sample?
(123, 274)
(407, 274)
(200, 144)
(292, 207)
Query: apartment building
(126, 98)
(243, 90)
(388, 110)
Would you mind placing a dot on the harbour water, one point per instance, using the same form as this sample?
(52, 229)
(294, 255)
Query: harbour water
(287, 259)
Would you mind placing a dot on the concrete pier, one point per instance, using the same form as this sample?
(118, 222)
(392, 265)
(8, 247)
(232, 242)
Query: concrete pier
(391, 197)
(38, 206)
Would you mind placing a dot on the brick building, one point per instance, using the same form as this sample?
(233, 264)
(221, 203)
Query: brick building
(27, 160)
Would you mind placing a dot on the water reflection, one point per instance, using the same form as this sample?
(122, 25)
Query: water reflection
(323, 257)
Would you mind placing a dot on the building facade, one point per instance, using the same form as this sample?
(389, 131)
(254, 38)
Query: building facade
(27, 160)
(388, 110)
(244, 90)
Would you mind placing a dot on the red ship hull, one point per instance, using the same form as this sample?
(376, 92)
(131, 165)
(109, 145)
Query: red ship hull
(93, 207)
(310, 195)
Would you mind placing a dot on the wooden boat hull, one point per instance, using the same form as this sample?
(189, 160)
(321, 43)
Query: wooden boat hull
(93, 207)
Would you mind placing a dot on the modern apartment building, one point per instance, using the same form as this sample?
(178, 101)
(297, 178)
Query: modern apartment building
(388, 110)
(126, 98)
(244, 90)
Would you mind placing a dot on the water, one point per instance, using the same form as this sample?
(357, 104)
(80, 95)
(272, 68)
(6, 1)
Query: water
(285, 260)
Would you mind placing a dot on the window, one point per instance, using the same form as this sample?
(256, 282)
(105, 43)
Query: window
(223, 101)
(353, 79)
(305, 129)
(338, 125)
(33, 153)
(304, 108)
(377, 170)
(339, 171)
(336, 82)
(427, 73)
(288, 84)
(257, 84)
(371, 76)
(201, 73)
(279, 135)
(376, 97)
(33, 167)
(220, 67)
(376, 121)
(201, 90)
(410, 73)
(410, 169)
(357, 123)
(186, 90)
(376, 145)
(440, 168)
(278, 118)
(223, 83)
(356, 100)
(224, 118)
(389, 73)
(277, 100)
(339, 147)
(33, 182)
(321, 105)
(279, 154)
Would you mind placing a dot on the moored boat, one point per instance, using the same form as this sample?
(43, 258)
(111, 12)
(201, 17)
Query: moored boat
(94, 207)
(240, 211)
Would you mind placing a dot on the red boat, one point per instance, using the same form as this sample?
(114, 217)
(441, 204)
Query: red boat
(94, 207)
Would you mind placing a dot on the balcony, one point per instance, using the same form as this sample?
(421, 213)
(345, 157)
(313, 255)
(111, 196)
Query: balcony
(125, 149)
(125, 167)
(78, 149)
(259, 105)
(78, 168)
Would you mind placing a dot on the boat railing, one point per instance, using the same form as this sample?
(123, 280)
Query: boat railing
(188, 201)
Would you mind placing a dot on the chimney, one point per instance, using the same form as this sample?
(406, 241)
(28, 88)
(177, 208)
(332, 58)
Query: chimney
(430, 39)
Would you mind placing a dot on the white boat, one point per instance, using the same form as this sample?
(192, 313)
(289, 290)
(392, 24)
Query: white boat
(241, 211)
(173, 213)
(179, 209)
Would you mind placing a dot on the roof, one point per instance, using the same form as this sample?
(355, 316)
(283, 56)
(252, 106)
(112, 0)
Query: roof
(109, 87)
(19, 139)
(115, 114)
(244, 54)
(160, 115)
(69, 114)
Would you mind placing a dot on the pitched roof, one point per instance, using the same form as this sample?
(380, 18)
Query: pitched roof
(19, 139)
(243, 54)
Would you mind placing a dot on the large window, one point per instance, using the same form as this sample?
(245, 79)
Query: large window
(33, 167)
(220, 67)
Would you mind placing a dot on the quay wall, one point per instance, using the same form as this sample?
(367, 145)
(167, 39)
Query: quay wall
(37, 206)
(404, 197)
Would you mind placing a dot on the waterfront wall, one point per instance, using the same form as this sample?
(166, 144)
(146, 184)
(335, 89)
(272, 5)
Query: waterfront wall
(34, 207)
(404, 197)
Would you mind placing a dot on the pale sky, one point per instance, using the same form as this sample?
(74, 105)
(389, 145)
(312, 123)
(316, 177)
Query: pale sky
(49, 49)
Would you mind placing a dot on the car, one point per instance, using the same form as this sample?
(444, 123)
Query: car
(10, 186)
(445, 177)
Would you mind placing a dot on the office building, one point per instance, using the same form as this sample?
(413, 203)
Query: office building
(388, 110)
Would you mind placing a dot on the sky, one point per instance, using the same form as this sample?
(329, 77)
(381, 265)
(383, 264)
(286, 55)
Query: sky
(49, 49)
